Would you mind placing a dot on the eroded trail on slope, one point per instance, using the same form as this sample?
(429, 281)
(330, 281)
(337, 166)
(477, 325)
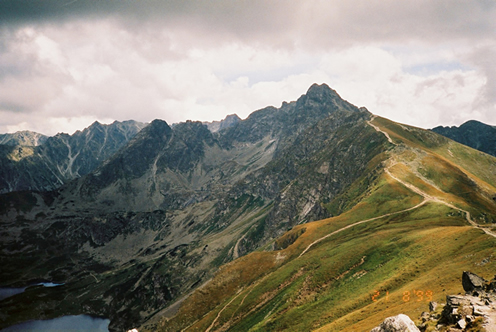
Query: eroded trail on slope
(221, 310)
(380, 130)
(266, 298)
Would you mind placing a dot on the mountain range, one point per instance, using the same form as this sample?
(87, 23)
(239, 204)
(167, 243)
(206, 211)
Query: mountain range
(291, 219)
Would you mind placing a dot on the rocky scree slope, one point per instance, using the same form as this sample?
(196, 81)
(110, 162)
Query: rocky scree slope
(61, 158)
(155, 220)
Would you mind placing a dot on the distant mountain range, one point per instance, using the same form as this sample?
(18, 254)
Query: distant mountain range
(24, 138)
(291, 219)
(30, 161)
(473, 133)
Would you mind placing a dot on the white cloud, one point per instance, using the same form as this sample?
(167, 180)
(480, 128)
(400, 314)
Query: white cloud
(389, 90)
(424, 63)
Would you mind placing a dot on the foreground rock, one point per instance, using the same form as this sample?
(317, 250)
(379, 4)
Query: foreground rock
(474, 311)
(400, 323)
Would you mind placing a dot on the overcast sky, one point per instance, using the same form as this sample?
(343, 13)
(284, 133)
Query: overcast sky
(67, 63)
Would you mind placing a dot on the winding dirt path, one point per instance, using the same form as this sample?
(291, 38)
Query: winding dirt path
(221, 310)
(424, 194)
(380, 130)
(413, 188)
(358, 223)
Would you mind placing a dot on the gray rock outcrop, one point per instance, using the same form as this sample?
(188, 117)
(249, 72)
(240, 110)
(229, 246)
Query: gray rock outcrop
(472, 282)
(400, 323)
(474, 311)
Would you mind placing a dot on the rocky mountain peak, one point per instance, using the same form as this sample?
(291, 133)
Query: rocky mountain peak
(321, 92)
(193, 133)
(156, 127)
(95, 124)
(189, 124)
(321, 99)
(159, 122)
(232, 118)
(229, 121)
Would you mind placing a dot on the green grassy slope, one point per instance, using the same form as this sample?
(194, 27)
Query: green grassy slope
(402, 239)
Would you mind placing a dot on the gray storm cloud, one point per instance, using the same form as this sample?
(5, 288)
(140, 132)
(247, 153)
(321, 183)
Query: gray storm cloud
(298, 21)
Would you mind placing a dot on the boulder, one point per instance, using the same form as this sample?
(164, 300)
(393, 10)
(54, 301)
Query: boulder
(400, 323)
(478, 310)
(454, 301)
(472, 282)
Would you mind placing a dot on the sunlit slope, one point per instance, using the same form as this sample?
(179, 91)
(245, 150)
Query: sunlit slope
(407, 230)
(449, 167)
